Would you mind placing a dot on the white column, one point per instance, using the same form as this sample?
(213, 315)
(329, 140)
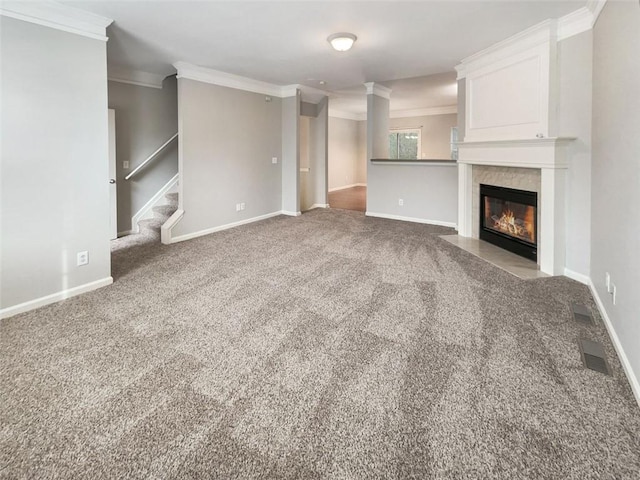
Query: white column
(465, 220)
(552, 238)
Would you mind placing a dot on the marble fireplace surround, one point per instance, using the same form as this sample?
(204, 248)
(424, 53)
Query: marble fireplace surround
(538, 165)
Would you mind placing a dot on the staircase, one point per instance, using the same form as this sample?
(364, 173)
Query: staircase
(150, 228)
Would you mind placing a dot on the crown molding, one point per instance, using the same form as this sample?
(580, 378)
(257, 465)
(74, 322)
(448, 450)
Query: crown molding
(287, 91)
(543, 32)
(58, 16)
(347, 115)
(134, 77)
(424, 112)
(224, 79)
(595, 6)
(377, 89)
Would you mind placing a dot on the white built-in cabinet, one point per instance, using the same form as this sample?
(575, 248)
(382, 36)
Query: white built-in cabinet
(511, 87)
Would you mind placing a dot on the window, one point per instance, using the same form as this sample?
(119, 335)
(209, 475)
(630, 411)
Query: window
(404, 144)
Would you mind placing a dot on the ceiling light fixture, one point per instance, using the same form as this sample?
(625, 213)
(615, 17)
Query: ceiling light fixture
(342, 41)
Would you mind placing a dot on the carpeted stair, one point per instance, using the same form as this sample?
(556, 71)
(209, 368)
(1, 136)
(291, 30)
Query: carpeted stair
(149, 229)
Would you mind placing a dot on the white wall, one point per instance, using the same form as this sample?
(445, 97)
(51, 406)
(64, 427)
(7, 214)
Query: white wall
(435, 133)
(575, 56)
(615, 222)
(344, 154)
(54, 183)
(227, 140)
(145, 118)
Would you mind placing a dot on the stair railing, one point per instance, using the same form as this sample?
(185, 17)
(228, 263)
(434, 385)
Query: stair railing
(151, 157)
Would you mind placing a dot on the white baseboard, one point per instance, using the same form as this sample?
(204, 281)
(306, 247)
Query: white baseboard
(411, 219)
(344, 187)
(125, 233)
(54, 297)
(317, 205)
(189, 236)
(626, 366)
(578, 277)
(146, 210)
(291, 214)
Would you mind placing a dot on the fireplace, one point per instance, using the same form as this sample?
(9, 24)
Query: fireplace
(509, 219)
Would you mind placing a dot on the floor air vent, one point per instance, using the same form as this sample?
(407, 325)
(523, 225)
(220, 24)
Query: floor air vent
(582, 314)
(593, 356)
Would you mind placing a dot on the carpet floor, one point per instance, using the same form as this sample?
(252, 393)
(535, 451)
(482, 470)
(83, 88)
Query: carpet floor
(330, 345)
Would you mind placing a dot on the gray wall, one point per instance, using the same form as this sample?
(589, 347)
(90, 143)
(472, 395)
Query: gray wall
(344, 153)
(615, 229)
(227, 139)
(54, 183)
(319, 151)
(430, 192)
(462, 107)
(145, 119)
(435, 133)
(290, 154)
(575, 56)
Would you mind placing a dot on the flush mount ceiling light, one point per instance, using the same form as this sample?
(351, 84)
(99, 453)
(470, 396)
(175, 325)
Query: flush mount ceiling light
(342, 41)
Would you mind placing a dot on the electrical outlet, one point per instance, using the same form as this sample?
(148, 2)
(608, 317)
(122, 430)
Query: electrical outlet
(237, 207)
(613, 293)
(82, 258)
(242, 206)
(125, 164)
(607, 281)
(401, 202)
(274, 159)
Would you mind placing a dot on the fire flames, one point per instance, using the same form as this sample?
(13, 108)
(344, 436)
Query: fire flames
(508, 223)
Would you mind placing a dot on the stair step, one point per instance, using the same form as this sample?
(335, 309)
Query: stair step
(164, 211)
(172, 198)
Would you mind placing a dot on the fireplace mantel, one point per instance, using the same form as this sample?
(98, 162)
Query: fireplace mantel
(549, 155)
(526, 153)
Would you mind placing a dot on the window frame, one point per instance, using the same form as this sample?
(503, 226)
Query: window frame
(408, 130)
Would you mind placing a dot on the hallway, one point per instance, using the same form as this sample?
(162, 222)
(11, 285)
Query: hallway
(354, 198)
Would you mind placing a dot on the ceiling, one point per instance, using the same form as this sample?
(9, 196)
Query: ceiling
(284, 42)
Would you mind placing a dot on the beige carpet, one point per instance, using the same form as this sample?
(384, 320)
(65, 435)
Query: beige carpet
(325, 346)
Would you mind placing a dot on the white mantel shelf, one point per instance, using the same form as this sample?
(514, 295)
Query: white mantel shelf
(523, 153)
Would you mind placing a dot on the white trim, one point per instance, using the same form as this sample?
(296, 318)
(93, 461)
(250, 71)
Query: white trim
(134, 77)
(207, 231)
(622, 356)
(124, 233)
(223, 79)
(411, 219)
(543, 32)
(318, 205)
(58, 16)
(290, 214)
(574, 23)
(165, 229)
(596, 7)
(344, 187)
(347, 115)
(54, 297)
(146, 210)
(377, 89)
(286, 91)
(525, 153)
(578, 277)
(424, 112)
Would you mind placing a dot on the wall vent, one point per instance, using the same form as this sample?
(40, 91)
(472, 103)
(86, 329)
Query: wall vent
(593, 356)
(582, 314)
